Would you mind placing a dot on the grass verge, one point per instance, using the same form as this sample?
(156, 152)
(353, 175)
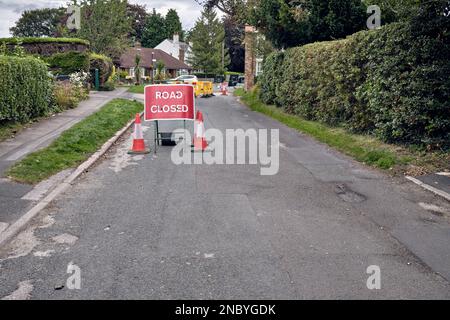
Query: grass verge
(363, 148)
(76, 144)
(137, 89)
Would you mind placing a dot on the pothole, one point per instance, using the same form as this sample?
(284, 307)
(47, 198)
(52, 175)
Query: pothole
(347, 194)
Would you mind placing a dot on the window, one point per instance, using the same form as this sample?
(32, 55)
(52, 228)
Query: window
(131, 72)
(259, 66)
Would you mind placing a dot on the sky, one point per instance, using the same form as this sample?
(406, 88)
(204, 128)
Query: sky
(10, 10)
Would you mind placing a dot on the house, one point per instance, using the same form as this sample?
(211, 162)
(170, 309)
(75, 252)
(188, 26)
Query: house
(149, 59)
(176, 48)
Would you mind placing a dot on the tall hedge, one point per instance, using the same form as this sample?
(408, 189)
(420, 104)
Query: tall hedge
(104, 64)
(393, 82)
(26, 88)
(268, 80)
(69, 62)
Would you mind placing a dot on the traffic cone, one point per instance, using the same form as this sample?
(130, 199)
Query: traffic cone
(199, 143)
(138, 138)
(224, 90)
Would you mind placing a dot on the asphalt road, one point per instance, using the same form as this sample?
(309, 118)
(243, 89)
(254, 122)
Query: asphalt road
(143, 228)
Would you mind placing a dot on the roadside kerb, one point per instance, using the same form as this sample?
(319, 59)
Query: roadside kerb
(436, 191)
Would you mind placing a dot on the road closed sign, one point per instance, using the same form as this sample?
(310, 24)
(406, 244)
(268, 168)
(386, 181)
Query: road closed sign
(169, 102)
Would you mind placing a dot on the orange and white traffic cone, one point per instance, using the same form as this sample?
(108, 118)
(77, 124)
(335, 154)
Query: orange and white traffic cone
(199, 143)
(224, 89)
(138, 138)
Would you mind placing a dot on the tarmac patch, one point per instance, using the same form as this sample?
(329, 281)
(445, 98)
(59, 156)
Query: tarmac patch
(43, 254)
(23, 244)
(23, 292)
(122, 159)
(65, 238)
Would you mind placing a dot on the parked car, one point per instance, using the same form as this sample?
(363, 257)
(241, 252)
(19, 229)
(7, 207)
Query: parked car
(189, 79)
(240, 83)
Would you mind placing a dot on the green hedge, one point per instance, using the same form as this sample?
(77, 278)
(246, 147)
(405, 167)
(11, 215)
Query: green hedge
(69, 62)
(269, 79)
(32, 40)
(104, 64)
(26, 89)
(393, 82)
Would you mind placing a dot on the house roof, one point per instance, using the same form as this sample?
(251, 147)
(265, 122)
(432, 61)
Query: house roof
(181, 44)
(127, 60)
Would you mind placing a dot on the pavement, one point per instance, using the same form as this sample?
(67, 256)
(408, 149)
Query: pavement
(17, 198)
(141, 227)
(440, 181)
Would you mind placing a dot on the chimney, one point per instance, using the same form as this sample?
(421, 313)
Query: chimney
(176, 38)
(181, 55)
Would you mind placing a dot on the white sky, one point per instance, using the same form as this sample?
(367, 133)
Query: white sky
(10, 10)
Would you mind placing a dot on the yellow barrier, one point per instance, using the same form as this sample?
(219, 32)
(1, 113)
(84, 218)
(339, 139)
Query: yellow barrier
(203, 88)
(208, 88)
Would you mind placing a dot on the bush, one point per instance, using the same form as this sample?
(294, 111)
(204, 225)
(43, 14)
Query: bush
(64, 96)
(108, 86)
(31, 40)
(269, 80)
(26, 89)
(103, 64)
(68, 94)
(392, 82)
(69, 62)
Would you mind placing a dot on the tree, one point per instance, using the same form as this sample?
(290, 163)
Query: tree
(105, 24)
(138, 16)
(234, 36)
(395, 10)
(173, 24)
(137, 68)
(297, 22)
(207, 37)
(159, 70)
(238, 9)
(38, 23)
(154, 30)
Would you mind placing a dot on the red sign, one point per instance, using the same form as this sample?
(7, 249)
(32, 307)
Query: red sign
(169, 102)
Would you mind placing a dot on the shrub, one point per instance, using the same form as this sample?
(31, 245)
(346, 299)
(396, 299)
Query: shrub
(392, 82)
(45, 47)
(108, 86)
(269, 80)
(103, 64)
(31, 40)
(26, 89)
(64, 96)
(408, 92)
(69, 62)
(68, 94)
